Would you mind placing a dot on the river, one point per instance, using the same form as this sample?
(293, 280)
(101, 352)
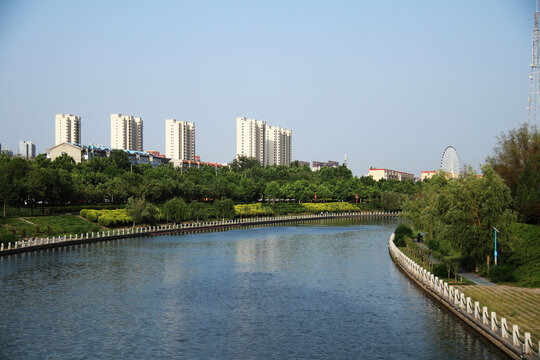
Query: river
(318, 290)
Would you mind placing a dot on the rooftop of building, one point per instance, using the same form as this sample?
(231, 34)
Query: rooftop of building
(395, 171)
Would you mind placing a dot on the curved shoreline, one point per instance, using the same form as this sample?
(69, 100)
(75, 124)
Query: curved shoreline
(115, 234)
(505, 339)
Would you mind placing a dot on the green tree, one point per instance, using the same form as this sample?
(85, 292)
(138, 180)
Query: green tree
(461, 214)
(197, 210)
(224, 208)
(512, 152)
(176, 209)
(65, 162)
(141, 210)
(527, 199)
(392, 201)
(120, 160)
(243, 163)
(272, 191)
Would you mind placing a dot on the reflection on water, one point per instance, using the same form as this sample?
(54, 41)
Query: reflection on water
(315, 290)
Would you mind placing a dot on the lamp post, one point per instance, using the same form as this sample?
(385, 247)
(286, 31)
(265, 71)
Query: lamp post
(496, 231)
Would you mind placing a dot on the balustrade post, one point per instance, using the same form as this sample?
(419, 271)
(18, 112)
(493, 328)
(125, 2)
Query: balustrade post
(515, 335)
(2, 247)
(476, 310)
(493, 321)
(469, 305)
(462, 301)
(527, 346)
(485, 319)
(504, 329)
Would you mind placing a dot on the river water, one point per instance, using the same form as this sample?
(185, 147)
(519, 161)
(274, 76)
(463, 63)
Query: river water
(317, 290)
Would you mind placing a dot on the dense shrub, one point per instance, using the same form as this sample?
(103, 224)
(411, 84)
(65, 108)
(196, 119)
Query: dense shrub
(116, 217)
(527, 254)
(440, 270)
(93, 215)
(399, 241)
(5, 238)
(330, 207)
(401, 231)
(288, 208)
(83, 212)
(253, 210)
(502, 273)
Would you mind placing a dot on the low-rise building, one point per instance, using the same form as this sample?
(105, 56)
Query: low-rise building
(88, 152)
(186, 164)
(387, 174)
(428, 174)
(156, 153)
(318, 165)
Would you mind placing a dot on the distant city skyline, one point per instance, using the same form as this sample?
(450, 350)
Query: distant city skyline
(391, 84)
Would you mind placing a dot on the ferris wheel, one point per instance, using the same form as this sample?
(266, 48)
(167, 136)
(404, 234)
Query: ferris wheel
(450, 161)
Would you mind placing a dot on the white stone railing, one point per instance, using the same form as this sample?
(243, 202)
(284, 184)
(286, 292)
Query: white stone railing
(37, 243)
(456, 299)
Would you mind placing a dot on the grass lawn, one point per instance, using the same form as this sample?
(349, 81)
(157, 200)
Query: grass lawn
(9, 224)
(64, 224)
(520, 306)
(59, 225)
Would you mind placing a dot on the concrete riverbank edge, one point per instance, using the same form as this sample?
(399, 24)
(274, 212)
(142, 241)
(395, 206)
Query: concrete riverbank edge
(482, 321)
(115, 234)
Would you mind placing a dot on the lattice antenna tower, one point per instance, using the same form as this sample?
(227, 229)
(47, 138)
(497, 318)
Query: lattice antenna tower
(534, 91)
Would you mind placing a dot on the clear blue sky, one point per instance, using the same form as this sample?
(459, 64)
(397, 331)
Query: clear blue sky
(389, 83)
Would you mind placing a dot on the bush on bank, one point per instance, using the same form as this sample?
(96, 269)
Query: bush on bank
(330, 207)
(107, 218)
(400, 232)
(253, 210)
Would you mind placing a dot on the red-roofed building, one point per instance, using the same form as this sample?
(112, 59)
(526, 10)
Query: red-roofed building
(387, 174)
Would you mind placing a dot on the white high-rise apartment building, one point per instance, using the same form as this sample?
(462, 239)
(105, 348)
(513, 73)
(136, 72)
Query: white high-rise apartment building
(250, 138)
(67, 129)
(126, 132)
(179, 140)
(27, 149)
(270, 145)
(278, 146)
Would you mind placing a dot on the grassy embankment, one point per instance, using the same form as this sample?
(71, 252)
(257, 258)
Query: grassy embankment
(45, 226)
(517, 297)
(520, 306)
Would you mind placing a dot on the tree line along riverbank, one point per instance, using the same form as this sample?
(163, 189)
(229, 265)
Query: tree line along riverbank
(143, 213)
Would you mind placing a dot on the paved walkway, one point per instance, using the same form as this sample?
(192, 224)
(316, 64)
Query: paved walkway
(28, 221)
(475, 278)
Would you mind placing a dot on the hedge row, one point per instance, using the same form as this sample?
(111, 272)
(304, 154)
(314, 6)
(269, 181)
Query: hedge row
(106, 218)
(253, 210)
(281, 209)
(330, 207)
